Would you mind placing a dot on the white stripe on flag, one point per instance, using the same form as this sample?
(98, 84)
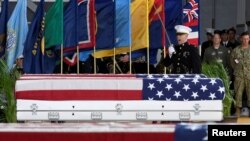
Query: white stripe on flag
(193, 35)
(80, 84)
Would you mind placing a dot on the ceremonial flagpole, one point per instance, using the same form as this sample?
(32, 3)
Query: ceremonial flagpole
(114, 62)
(61, 59)
(164, 46)
(130, 60)
(94, 60)
(78, 58)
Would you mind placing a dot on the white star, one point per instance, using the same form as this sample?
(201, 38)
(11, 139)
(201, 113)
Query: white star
(177, 94)
(212, 81)
(195, 94)
(181, 76)
(203, 88)
(169, 86)
(195, 80)
(186, 87)
(150, 76)
(194, 127)
(159, 93)
(168, 99)
(206, 137)
(160, 80)
(185, 99)
(197, 76)
(221, 89)
(177, 80)
(165, 76)
(212, 96)
(151, 86)
(149, 98)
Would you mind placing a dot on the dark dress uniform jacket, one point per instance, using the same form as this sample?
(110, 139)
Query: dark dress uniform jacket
(186, 59)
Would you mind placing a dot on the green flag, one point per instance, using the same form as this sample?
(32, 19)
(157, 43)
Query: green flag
(54, 25)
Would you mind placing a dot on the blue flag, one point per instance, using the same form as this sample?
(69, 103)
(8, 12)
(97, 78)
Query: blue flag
(3, 27)
(17, 29)
(70, 24)
(173, 17)
(105, 11)
(33, 56)
(86, 24)
(122, 23)
(77, 30)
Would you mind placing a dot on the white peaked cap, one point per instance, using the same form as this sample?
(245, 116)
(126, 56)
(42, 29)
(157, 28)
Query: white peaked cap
(20, 57)
(182, 29)
(210, 30)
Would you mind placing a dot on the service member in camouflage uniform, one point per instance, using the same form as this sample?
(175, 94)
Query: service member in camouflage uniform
(240, 61)
(217, 52)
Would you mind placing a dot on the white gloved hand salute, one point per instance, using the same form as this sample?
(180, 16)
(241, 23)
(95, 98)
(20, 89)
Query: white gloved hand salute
(171, 50)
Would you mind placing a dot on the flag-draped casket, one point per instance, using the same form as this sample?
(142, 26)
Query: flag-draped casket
(86, 131)
(107, 131)
(119, 97)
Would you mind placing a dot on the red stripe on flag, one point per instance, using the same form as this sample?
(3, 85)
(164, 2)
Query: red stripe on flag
(192, 23)
(79, 75)
(73, 76)
(193, 42)
(80, 95)
(76, 136)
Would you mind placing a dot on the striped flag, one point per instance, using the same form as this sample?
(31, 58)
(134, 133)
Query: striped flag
(119, 87)
(191, 19)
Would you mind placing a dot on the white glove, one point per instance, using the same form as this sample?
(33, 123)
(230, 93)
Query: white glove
(171, 50)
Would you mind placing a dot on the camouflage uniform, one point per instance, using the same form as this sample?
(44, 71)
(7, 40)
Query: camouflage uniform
(220, 55)
(240, 61)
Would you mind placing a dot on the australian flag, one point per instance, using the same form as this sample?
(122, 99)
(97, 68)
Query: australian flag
(183, 89)
(191, 19)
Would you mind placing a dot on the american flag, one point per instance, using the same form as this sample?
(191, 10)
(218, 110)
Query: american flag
(117, 87)
(191, 19)
(191, 132)
(171, 75)
(55, 76)
(183, 89)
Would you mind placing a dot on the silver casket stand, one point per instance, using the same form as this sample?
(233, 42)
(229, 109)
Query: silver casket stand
(142, 110)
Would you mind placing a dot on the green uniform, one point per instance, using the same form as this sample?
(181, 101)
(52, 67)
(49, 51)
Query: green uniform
(240, 61)
(222, 55)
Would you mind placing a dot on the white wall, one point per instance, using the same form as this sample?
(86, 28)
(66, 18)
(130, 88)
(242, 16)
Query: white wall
(206, 16)
(227, 13)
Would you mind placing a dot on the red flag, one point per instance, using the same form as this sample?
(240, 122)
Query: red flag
(157, 14)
